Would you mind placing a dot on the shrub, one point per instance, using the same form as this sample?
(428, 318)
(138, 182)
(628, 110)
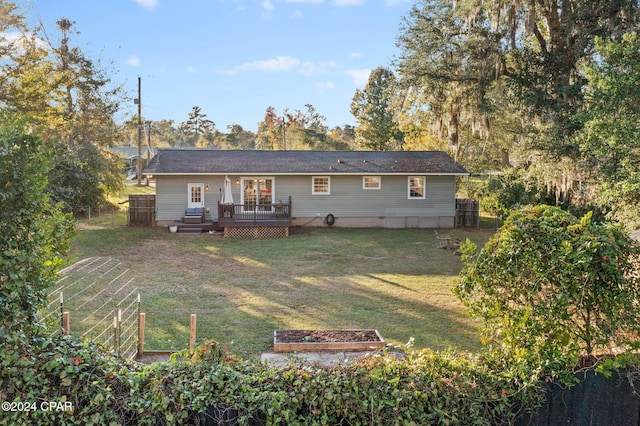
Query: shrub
(34, 234)
(552, 286)
(427, 388)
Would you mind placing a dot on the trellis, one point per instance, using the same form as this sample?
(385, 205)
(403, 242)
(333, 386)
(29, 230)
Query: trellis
(104, 306)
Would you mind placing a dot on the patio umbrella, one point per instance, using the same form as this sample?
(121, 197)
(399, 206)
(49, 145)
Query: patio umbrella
(227, 196)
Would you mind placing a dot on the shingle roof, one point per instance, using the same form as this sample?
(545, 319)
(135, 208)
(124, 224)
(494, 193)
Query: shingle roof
(199, 162)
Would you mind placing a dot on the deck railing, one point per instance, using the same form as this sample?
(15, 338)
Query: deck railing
(238, 214)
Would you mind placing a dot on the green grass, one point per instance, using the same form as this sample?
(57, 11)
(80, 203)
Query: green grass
(393, 280)
(117, 217)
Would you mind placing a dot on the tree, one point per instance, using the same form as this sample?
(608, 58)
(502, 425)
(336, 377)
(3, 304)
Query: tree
(373, 107)
(85, 169)
(345, 136)
(270, 131)
(73, 101)
(34, 233)
(294, 130)
(549, 283)
(609, 138)
(238, 138)
(447, 68)
(198, 124)
(507, 72)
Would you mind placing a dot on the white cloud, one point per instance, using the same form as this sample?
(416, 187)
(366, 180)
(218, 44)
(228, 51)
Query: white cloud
(359, 77)
(343, 3)
(134, 61)
(277, 64)
(305, 1)
(326, 85)
(192, 70)
(147, 4)
(355, 55)
(267, 5)
(284, 64)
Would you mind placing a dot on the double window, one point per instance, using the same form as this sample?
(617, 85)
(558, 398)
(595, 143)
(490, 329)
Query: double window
(321, 185)
(371, 182)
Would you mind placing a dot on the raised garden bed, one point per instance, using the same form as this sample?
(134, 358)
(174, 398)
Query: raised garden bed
(327, 340)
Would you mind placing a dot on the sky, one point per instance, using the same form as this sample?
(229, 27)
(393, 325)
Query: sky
(234, 58)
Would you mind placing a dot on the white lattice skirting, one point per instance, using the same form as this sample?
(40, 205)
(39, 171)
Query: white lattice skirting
(256, 232)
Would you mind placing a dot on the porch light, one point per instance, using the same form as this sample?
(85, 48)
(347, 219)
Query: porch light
(206, 187)
(237, 181)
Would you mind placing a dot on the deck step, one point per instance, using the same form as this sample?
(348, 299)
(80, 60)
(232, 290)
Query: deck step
(197, 228)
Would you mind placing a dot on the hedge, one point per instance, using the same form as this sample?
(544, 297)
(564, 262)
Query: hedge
(90, 386)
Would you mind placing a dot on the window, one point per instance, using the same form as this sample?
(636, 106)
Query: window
(371, 182)
(321, 185)
(416, 187)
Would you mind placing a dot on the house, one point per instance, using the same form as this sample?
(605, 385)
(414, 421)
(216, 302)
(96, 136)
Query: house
(393, 189)
(130, 154)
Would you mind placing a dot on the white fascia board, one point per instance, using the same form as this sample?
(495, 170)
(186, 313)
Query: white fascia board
(254, 173)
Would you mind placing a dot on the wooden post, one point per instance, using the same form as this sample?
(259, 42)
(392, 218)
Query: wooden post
(61, 311)
(66, 326)
(119, 332)
(115, 334)
(140, 333)
(192, 332)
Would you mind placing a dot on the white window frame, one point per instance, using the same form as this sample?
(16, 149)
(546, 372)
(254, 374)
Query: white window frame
(411, 194)
(191, 202)
(378, 181)
(313, 185)
(243, 183)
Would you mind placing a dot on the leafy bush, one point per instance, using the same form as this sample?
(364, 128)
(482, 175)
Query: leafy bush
(552, 286)
(514, 188)
(34, 234)
(89, 386)
(427, 388)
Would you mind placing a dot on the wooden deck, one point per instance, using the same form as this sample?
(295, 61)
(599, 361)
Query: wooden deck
(247, 220)
(247, 215)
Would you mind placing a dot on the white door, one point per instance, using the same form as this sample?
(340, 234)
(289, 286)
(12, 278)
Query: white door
(195, 195)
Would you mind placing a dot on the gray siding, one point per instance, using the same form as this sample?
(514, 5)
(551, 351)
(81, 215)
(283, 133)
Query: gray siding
(347, 198)
(172, 195)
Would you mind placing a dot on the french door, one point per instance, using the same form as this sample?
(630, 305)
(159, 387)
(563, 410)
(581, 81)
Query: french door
(257, 191)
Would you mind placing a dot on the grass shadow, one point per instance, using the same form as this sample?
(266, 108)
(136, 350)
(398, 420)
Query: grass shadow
(241, 290)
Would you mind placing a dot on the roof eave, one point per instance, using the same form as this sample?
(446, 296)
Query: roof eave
(254, 173)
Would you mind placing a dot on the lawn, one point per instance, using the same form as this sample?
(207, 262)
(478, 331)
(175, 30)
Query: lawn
(392, 280)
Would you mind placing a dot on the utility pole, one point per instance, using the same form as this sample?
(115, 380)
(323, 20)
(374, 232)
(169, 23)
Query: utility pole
(148, 147)
(284, 134)
(139, 132)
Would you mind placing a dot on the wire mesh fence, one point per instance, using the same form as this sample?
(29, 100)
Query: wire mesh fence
(102, 301)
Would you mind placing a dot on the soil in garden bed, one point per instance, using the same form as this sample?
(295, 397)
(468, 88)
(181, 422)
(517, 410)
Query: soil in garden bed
(334, 336)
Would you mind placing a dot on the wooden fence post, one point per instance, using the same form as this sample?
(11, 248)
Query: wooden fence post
(66, 326)
(62, 311)
(192, 332)
(119, 331)
(141, 333)
(115, 333)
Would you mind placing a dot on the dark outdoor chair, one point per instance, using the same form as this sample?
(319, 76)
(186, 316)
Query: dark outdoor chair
(194, 215)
